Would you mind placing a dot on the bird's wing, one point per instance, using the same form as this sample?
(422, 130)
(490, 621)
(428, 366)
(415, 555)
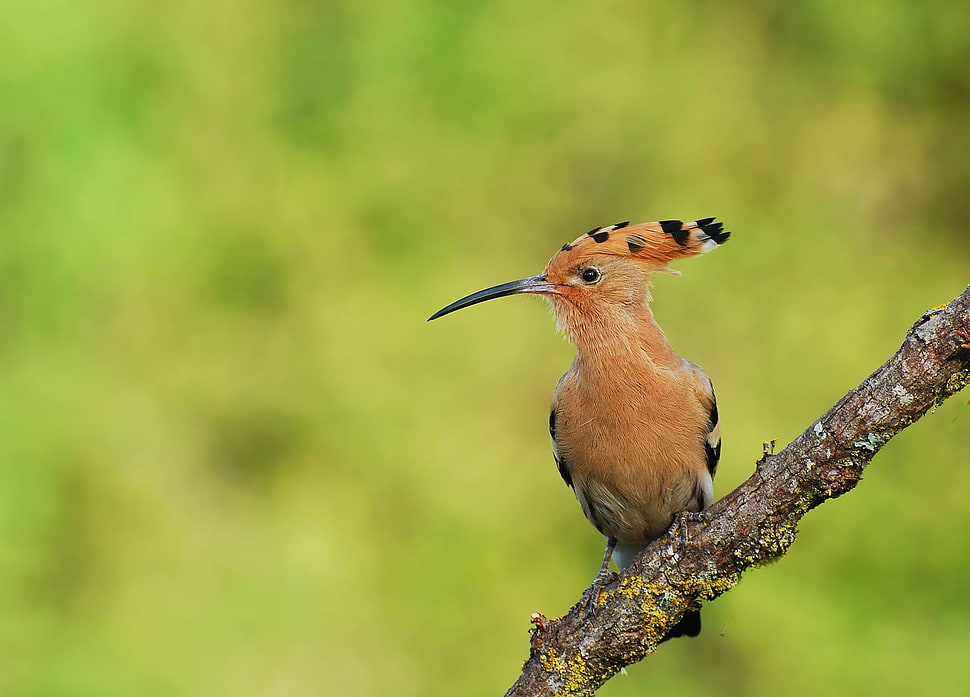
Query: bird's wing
(556, 451)
(712, 430)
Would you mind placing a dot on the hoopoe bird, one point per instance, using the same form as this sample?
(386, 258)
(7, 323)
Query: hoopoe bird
(634, 426)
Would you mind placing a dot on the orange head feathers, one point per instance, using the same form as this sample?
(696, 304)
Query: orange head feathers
(652, 244)
(606, 269)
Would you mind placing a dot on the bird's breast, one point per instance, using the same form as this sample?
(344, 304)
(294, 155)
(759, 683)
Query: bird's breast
(634, 448)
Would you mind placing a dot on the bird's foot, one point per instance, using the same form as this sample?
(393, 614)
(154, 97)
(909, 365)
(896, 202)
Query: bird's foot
(685, 517)
(591, 596)
(964, 337)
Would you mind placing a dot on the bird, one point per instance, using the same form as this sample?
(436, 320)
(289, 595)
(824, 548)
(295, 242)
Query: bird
(634, 427)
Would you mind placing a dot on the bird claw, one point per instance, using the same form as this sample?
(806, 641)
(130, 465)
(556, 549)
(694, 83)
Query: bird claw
(591, 596)
(962, 333)
(587, 604)
(685, 517)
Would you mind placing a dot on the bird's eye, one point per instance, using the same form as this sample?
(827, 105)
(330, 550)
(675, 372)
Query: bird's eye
(589, 275)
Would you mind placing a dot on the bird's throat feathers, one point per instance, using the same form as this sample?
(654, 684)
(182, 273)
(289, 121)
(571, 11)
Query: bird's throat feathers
(613, 334)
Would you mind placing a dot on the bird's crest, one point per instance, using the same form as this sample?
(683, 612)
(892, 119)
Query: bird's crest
(656, 244)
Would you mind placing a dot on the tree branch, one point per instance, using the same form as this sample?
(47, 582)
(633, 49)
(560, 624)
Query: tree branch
(755, 523)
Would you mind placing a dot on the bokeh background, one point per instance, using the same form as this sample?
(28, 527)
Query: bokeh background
(236, 460)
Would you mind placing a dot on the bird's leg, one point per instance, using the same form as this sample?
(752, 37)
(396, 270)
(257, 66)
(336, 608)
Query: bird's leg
(592, 594)
(685, 517)
(604, 571)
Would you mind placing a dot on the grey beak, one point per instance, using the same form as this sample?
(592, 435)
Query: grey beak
(534, 284)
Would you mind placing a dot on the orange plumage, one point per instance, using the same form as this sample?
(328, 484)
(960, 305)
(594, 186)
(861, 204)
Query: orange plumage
(634, 427)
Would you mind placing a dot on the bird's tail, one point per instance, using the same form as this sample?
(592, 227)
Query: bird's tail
(655, 244)
(689, 625)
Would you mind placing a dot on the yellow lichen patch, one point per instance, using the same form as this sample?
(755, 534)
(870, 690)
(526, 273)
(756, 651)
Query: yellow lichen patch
(631, 586)
(773, 542)
(708, 588)
(655, 601)
(776, 542)
(655, 617)
(956, 383)
(572, 670)
(635, 587)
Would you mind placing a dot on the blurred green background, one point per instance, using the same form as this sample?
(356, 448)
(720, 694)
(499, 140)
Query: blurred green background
(236, 460)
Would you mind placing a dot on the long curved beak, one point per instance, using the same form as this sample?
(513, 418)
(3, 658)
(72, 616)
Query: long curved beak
(534, 284)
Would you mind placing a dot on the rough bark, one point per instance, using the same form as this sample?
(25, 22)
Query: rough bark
(703, 556)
